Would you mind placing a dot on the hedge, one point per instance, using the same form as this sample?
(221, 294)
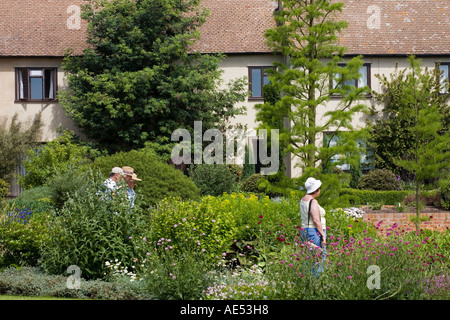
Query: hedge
(390, 197)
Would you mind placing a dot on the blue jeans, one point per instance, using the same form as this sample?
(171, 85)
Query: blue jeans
(313, 235)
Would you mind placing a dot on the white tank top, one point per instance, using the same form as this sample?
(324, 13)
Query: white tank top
(304, 206)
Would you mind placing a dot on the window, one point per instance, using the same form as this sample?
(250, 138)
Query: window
(444, 68)
(332, 139)
(35, 84)
(364, 79)
(257, 78)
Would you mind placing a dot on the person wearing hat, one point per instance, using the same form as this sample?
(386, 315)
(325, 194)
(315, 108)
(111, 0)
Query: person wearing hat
(115, 176)
(130, 190)
(128, 172)
(313, 223)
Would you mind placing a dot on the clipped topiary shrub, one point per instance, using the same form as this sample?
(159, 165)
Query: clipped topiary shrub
(379, 179)
(159, 180)
(212, 179)
(251, 183)
(390, 197)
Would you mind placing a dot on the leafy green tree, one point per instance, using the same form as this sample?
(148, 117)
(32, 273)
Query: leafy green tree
(139, 80)
(392, 136)
(421, 103)
(311, 73)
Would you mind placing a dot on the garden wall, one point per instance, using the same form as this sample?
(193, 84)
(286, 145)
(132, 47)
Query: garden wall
(439, 221)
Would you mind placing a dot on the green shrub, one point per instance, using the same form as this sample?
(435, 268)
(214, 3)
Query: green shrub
(445, 195)
(91, 230)
(159, 180)
(34, 194)
(251, 183)
(212, 179)
(31, 281)
(359, 197)
(205, 222)
(58, 155)
(379, 179)
(65, 183)
(237, 171)
(23, 231)
(4, 188)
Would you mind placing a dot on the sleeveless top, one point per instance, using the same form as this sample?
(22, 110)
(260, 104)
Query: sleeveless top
(304, 207)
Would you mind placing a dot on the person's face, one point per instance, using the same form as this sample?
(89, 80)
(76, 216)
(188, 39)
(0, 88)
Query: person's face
(127, 178)
(131, 183)
(117, 176)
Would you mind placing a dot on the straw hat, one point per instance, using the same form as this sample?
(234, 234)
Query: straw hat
(135, 178)
(128, 170)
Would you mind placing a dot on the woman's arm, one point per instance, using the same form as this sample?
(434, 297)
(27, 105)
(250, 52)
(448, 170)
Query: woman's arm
(315, 215)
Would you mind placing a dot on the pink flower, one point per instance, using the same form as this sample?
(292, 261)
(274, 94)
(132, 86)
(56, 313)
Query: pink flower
(350, 277)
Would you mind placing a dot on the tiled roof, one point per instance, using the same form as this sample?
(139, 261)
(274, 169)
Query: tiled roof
(45, 28)
(39, 28)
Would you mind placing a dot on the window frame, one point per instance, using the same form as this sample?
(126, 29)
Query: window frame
(366, 161)
(250, 85)
(27, 87)
(368, 66)
(438, 64)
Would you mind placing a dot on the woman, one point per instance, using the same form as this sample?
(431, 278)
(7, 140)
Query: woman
(313, 216)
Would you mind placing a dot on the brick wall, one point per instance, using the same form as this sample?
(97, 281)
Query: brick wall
(438, 221)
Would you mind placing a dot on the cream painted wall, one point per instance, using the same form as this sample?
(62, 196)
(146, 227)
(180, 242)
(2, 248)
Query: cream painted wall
(234, 66)
(53, 115)
(237, 66)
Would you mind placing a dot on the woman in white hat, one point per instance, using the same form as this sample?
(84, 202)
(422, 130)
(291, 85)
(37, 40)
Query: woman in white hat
(313, 215)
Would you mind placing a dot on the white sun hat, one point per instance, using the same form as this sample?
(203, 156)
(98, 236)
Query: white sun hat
(312, 185)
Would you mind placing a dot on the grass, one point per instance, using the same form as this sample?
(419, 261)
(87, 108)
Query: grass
(8, 297)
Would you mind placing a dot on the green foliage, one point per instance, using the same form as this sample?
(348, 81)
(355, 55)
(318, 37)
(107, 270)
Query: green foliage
(34, 194)
(62, 185)
(251, 183)
(379, 179)
(91, 230)
(362, 197)
(212, 179)
(159, 180)
(393, 137)
(14, 143)
(4, 188)
(445, 195)
(32, 281)
(139, 80)
(23, 231)
(303, 82)
(203, 222)
(58, 155)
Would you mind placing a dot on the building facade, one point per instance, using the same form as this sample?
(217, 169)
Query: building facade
(34, 35)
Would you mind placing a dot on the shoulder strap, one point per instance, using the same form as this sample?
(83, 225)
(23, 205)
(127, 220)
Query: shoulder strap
(309, 210)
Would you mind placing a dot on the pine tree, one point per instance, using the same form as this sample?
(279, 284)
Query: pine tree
(312, 72)
(429, 156)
